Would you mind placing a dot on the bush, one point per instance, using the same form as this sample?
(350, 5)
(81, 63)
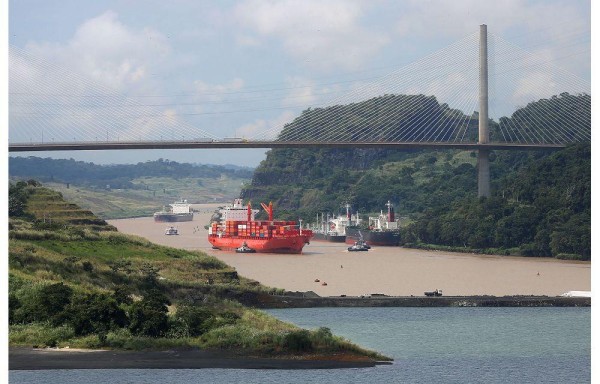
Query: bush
(95, 313)
(194, 320)
(569, 256)
(148, 317)
(43, 303)
(298, 341)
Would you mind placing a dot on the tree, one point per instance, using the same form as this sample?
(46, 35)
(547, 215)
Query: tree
(148, 317)
(194, 319)
(95, 313)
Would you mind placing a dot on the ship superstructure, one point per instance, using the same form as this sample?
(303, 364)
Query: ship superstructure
(333, 228)
(179, 211)
(383, 229)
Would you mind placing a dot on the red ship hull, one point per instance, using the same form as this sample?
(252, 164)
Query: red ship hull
(263, 245)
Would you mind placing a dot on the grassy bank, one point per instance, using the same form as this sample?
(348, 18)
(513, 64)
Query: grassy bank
(150, 196)
(75, 281)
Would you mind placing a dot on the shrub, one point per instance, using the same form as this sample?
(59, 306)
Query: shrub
(95, 313)
(43, 303)
(148, 317)
(298, 341)
(195, 320)
(569, 256)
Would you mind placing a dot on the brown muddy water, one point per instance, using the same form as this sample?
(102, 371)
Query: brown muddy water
(393, 271)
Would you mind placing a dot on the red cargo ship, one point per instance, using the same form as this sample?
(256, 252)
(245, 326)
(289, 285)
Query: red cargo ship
(237, 226)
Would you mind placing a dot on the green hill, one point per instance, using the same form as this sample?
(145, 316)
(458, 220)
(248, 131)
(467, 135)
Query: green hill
(426, 185)
(131, 190)
(75, 281)
(541, 209)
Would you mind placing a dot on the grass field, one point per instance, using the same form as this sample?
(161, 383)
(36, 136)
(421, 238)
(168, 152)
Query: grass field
(154, 193)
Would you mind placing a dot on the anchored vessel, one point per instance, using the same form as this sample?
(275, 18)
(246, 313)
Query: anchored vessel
(238, 227)
(334, 229)
(180, 211)
(383, 230)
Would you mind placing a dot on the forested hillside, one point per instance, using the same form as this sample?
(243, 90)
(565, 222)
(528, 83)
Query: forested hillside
(430, 186)
(117, 176)
(542, 209)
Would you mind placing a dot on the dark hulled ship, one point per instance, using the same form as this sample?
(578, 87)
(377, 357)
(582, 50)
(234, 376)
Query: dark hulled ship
(382, 230)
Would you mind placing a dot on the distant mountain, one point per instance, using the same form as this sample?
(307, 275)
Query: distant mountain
(117, 176)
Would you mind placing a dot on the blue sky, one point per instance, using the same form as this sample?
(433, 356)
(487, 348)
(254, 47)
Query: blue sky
(235, 68)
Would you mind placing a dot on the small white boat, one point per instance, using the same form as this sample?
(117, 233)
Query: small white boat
(358, 246)
(171, 231)
(245, 249)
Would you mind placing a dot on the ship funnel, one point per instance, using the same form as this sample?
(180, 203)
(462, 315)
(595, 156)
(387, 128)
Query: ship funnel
(391, 217)
(249, 211)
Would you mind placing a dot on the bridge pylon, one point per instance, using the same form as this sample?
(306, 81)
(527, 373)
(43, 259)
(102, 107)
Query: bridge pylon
(483, 157)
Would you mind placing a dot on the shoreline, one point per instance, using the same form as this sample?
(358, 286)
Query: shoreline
(311, 300)
(26, 358)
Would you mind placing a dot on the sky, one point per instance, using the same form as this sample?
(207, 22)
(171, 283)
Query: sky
(241, 68)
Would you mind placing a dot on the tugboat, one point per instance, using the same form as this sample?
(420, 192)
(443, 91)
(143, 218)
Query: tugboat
(171, 231)
(245, 249)
(358, 246)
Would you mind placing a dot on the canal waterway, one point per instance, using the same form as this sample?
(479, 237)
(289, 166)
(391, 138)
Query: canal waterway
(388, 270)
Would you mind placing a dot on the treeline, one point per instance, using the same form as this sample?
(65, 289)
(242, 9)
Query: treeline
(97, 313)
(543, 209)
(383, 118)
(117, 176)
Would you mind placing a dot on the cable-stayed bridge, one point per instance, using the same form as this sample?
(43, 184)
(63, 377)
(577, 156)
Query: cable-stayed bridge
(480, 93)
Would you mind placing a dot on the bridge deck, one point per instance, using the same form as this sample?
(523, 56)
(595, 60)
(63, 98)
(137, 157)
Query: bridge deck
(87, 146)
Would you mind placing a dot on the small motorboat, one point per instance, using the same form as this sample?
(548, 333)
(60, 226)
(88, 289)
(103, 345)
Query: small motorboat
(245, 249)
(323, 283)
(359, 246)
(317, 280)
(171, 231)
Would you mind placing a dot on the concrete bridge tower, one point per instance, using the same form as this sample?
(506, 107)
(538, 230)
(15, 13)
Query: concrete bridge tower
(483, 157)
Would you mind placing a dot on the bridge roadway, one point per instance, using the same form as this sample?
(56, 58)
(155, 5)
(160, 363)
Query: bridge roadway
(119, 145)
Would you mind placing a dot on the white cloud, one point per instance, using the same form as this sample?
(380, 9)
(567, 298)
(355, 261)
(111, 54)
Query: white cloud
(266, 129)
(460, 18)
(108, 51)
(323, 35)
(301, 92)
(217, 91)
(83, 82)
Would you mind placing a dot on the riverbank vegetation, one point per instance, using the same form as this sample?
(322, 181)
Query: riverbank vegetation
(75, 281)
(543, 209)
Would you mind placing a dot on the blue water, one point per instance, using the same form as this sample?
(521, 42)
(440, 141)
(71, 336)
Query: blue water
(429, 345)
